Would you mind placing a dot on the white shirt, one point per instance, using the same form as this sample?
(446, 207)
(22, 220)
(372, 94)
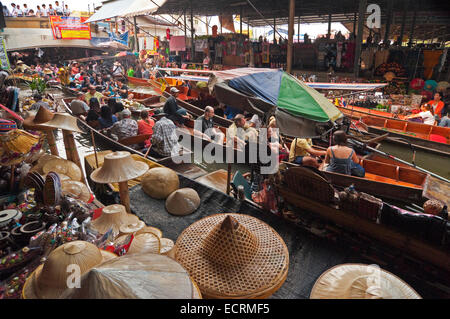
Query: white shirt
(255, 120)
(427, 117)
(44, 12)
(58, 9)
(67, 12)
(19, 13)
(25, 11)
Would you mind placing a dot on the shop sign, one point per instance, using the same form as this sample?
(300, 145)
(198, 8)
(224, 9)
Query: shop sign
(70, 28)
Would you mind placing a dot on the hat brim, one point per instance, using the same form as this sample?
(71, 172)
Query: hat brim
(29, 291)
(29, 124)
(336, 281)
(139, 169)
(259, 279)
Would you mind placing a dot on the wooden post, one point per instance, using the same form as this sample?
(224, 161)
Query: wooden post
(290, 35)
(329, 27)
(413, 25)
(95, 149)
(52, 142)
(240, 20)
(298, 31)
(354, 24)
(389, 20)
(72, 148)
(228, 178)
(117, 26)
(67, 146)
(135, 35)
(12, 179)
(274, 28)
(248, 28)
(124, 195)
(185, 29)
(402, 29)
(362, 9)
(192, 34)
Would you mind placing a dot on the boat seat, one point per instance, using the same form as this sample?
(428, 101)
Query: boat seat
(138, 139)
(239, 179)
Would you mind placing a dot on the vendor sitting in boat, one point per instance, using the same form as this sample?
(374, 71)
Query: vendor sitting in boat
(164, 141)
(93, 93)
(172, 109)
(126, 127)
(303, 153)
(240, 132)
(208, 129)
(341, 158)
(425, 115)
(78, 105)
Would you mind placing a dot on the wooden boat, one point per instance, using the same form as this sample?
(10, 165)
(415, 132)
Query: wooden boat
(109, 143)
(400, 242)
(383, 178)
(356, 112)
(429, 138)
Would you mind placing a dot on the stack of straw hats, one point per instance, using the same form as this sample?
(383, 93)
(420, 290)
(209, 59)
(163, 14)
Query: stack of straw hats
(113, 216)
(136, 276)
(233, 256)
(359, 281)
(50, 279)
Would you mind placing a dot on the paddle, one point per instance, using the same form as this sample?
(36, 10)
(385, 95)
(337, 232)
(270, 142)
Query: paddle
(364, 145)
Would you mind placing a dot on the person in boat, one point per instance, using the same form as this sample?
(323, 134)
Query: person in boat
(425, 114)
(164, 141)
(106, 119)
(341, 158)
(146, 73)
(93, 113)
(131, 72)
(115, 106)
(38, 98)
(92, 92)
(240, 132)
(121, 89)
(117, 70)
(145, 126)
(437, 106)
(255, 121)
(75, 69)
(303, 153)
(78, 106)
(126, 127)
(208, 129)
(231, 112)
(171, 107)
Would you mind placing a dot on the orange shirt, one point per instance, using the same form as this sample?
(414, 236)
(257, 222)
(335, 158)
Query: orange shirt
(146, 127)
(439, 107)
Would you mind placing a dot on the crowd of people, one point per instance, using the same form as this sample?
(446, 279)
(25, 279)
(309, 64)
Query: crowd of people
(40, 11)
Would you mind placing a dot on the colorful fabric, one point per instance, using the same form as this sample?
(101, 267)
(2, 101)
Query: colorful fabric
(7, 125)
(177, 43)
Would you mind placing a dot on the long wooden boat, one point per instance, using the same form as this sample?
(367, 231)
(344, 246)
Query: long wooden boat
(400, 243)
(356, 112)
(383, 178)
(430, 138)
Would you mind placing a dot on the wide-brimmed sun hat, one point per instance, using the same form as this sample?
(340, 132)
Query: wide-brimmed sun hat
(143, 243)
(118, 167)
(76, 189)
(183, 201)
(233, 256)
(360, 281)
(50, 279)
(113, 216)
(33, 122)
(136, 276)
(64, 167)
(63, 121)
(160, 182)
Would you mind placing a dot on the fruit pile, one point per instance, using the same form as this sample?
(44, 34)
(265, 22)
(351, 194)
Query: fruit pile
(390, 67)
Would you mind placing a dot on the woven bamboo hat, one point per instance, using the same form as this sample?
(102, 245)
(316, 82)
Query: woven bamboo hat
(63, 121)
(136, 276)
(143, 243)
(76, 189)
(183, 201)
(150, 229)
(131, 228)
(18, 145)
(43, 115)
(359, 281)
(118, 167)
(62, 166)
(233, 256)
(113, 216)
(160, 182)
(49, 280)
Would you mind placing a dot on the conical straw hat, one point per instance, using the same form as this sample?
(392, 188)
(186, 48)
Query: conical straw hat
(359, 281)
(118, 167)
(183, 201)
(143, 243)
(62, 166)
(43, 159)
(18, 141)
(136, 276)
(49, 280)
(63, 121)
(150, 229)
(76, 189)
(113, 216)
(166, 245)
(33, 122)
(160, 182)
(233, 256)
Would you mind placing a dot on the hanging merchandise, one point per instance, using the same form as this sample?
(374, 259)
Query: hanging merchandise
(168, 34)
(417, 84)
(430, 85)
(155, 44)
(431, 58)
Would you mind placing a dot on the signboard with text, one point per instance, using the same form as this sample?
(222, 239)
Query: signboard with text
(70, 28)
